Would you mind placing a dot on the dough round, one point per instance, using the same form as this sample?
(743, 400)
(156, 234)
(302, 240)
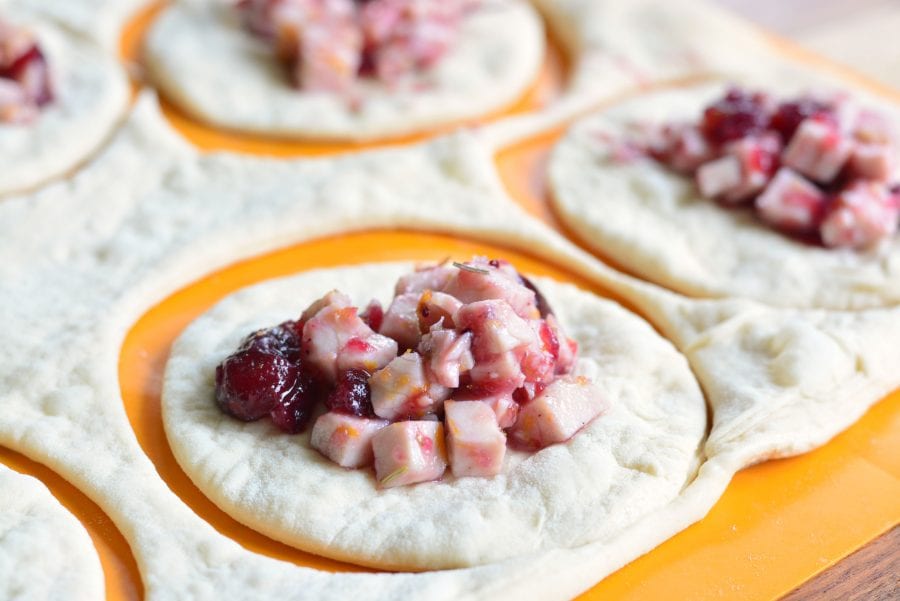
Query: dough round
(654, 223)
(620, 46)
(203, 60)
(91, 97)
(45, 553)
(630, 461)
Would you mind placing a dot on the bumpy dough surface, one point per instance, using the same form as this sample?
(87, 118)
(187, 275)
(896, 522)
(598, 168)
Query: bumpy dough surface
(632, 460)
(201, 58)
(45, 554)
(91, 96)
(654, 223)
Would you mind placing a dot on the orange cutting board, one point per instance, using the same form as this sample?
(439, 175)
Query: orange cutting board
(777, 525)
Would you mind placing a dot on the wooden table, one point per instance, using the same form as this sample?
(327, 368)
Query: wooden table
(870, 574)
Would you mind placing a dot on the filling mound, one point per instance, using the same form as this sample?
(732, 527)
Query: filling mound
(821, 169)
(328, 45)
(467, 357)
(25, 85)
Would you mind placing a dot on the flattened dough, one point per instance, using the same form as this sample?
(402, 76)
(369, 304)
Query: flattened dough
(202, 59)
(621, 45)
(653, 222)
(110, 247)
(91, 97)
(45, 553)
(632, 460)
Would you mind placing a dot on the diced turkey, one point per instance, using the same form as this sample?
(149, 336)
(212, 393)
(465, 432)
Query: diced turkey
(791, 203)
(425, 278)
(481, 281)
(818, 150)
(401, 320)
(475, 444)
(501, 339)
(337, 330)
(498, 374)
(873, 161)
(567, 349)
(334, 298)
(717, 177)
(409, 452)
(496, 328)
(370, 353)
(758, 157)
(557, 413)
(682, 146)
(449, 354)
(863, 214)
(436, 307)
(873, 128)
(401, 389)
(346, 439)
(504, 407)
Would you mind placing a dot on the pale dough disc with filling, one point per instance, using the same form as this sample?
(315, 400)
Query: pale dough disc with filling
(202, 59)
(654, 223)
(91, 96)
(45, 553)
(630, 461)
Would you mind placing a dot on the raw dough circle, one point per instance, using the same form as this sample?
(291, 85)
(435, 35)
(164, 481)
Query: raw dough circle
(91, 96)
(203, 60)
(652, 222)
(632, 460)
(45, 553)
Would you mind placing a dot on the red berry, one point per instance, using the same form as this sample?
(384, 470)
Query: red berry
(283, 339)
(373, 316)
(351, 394)
(735, 116)
(542, 305)
(251, 382)
(788, 116)
(293, 413)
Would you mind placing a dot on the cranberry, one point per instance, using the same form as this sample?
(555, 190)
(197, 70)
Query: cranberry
(283, 339)
(542, 305)
(521, 396)
(735, 116)
(527, 393)
(351, 394)
(788, 115)
(251, 382)
(373, 315)
(293, 413)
